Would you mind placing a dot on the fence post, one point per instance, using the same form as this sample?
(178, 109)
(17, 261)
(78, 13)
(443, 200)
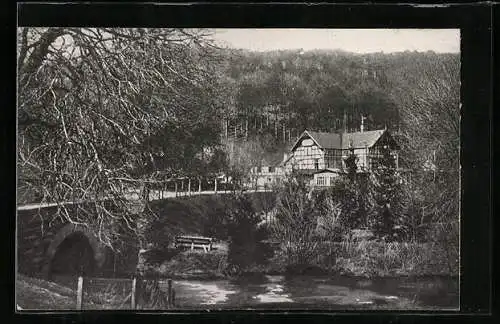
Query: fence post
(134, 293)
(79, 293)
(169, 291)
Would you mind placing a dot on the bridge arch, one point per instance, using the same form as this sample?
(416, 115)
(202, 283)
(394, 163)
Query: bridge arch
(67, 232)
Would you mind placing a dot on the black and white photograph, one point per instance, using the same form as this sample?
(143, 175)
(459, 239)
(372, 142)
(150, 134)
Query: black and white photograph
(232, 169)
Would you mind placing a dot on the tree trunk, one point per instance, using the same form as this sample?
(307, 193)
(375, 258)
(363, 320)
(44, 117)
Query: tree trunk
(246, 128)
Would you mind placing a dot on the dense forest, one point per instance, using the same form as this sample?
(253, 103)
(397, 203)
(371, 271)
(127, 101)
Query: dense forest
(271, 97)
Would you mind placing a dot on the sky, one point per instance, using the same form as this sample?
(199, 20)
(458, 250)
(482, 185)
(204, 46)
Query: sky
(351, 40)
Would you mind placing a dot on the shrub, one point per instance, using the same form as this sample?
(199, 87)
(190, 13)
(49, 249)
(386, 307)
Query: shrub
(296, 223)
(215, 224)
(195, 262)
(379, 258)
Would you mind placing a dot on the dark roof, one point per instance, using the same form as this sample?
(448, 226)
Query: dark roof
(326, 140)
(361, 139)
(343, 141)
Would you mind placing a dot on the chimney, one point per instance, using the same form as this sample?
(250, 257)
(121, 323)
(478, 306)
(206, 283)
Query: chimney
(362, 128)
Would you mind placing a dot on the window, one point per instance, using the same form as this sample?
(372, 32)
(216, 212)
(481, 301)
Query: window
(269, 179)
(316, 164)
(334, 158)
(272, 169)
(320, 181)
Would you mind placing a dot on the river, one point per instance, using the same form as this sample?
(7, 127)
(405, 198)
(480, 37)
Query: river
(306, 292)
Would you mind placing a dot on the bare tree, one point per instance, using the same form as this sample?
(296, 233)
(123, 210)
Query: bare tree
(243, 156)
(90, 103)
(431, 143)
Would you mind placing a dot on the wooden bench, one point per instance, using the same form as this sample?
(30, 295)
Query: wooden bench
(184, 241)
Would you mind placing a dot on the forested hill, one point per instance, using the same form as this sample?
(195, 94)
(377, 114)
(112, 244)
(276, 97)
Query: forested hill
(281, 93)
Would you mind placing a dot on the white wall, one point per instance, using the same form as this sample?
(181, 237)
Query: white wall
(304, 157)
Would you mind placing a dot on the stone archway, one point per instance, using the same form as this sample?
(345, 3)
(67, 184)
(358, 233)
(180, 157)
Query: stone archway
(69, 231)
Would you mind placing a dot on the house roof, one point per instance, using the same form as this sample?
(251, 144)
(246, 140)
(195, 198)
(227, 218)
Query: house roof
(326, 140)
(343, 141)
(361, 139)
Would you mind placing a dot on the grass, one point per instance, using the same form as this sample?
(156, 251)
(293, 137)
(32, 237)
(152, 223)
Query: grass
(38, 294)
(379, 259)
(33, 294)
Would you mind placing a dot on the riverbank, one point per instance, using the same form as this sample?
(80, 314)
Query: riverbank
(201, 280)
(271, 292)
(357, 260)
(38, 294)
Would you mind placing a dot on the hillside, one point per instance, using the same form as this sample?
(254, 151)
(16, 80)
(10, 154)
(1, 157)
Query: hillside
(283, 92)
(269, 98)
(198, 215)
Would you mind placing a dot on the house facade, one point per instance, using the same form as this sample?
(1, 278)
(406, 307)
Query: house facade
(320, 157)
(265, 176)
(267, 173)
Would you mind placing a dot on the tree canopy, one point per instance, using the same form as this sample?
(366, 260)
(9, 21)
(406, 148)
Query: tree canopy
(104, 110)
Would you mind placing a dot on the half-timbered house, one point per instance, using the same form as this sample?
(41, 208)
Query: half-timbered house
(320, 156)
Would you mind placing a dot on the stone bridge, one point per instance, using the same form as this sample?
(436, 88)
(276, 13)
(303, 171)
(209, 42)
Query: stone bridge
(47, 245)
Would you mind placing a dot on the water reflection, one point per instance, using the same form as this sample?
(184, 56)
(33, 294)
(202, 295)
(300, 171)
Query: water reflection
(316, 292)
(204, 293)
(275, 292)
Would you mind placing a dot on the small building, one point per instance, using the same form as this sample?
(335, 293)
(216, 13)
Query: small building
(320, 156)
(268, 174)
(325, 178)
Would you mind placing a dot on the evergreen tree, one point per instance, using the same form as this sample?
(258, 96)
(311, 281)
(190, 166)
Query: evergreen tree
(386, 193)
(351, 166)
(296, 222)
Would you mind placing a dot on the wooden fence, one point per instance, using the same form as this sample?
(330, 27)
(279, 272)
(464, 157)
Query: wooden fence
(124, 294)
